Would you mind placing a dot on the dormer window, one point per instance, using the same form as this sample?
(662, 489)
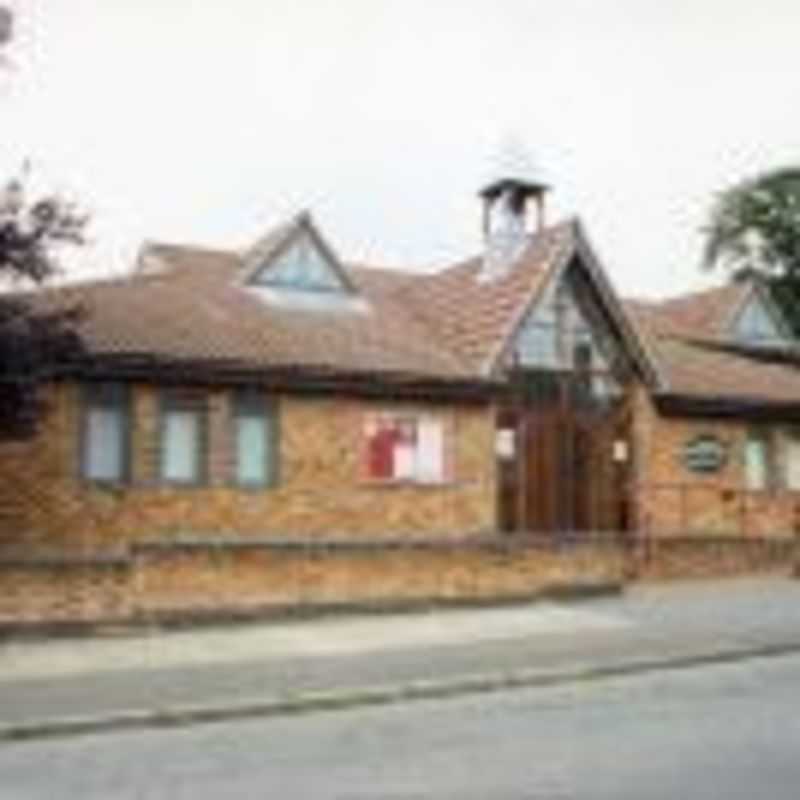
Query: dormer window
(756, 325)
(301, 266)
(294, 268)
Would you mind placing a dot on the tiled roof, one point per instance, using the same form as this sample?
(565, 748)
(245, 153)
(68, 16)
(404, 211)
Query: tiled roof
(686, 336)
(195, 308)
(192, 304)
(701, 315)
(474, 318)
(700, 370)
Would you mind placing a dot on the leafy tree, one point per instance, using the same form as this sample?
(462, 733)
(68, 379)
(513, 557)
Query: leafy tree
(754, 229)
(32, 339)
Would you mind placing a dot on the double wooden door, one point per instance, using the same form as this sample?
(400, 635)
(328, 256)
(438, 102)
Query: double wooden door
(569, 472)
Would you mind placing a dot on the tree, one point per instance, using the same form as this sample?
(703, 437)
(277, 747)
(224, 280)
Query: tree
(32, 340)
(754, 229)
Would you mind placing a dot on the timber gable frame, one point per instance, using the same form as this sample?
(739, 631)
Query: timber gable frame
(580, 252)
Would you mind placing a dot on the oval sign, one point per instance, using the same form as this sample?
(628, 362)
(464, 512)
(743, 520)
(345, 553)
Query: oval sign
(706, 453)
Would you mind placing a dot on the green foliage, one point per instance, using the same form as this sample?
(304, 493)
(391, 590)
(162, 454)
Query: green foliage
(754, 228)
(31, 232)
(32, 341)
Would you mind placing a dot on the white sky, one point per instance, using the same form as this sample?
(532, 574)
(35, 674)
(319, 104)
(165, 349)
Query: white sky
(208, 121)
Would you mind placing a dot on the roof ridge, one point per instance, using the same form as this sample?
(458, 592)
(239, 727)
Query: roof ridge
(699, 293)
(187, 247)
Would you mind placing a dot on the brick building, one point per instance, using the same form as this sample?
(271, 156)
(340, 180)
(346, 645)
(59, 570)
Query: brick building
(281, 393)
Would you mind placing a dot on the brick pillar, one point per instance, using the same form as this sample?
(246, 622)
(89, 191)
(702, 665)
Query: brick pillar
(220, 439)
(146, 421)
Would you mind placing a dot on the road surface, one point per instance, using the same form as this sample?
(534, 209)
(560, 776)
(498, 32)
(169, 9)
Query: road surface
(728, 731)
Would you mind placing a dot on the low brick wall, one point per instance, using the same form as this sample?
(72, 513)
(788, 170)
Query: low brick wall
(59, 589)
(234, 578)
(190, 580)
(196, 577)
(677, 557)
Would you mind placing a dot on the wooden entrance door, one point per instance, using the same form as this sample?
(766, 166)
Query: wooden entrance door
(567, 474)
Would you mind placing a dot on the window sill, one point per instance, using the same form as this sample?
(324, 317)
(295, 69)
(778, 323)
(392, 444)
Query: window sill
(250, 488)
(113, 486)
(407, 483)
(165, 484)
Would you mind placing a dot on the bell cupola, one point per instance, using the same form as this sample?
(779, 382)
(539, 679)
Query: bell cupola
(508, 197)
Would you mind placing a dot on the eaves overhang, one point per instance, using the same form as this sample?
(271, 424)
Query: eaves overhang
(743, 408)
(305, 379)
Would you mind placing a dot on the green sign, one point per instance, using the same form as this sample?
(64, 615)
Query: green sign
(706, 453)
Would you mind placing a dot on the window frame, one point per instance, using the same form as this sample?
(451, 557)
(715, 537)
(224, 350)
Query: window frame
(105, 395)
(243, 404)
(402, 416)
(747, 328)
(177, 400)
(791, 436)
(772, 477)
(301, 245)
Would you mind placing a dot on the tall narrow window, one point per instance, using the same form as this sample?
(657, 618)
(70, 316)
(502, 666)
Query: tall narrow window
(183, 438)
(792, 460)
(758, 460)
(106, 423)
(255, 442)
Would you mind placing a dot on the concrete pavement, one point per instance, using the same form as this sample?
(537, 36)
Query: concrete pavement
(64, 686)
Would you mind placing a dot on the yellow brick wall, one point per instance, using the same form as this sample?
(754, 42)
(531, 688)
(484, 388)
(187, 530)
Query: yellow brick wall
(152, 582)
(670, 499)
(322, 490)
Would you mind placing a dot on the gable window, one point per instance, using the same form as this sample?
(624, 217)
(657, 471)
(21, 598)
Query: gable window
(759, 460)
(405, 448)
(566, 329)
(301, 266)
(756, 325)
(255, 440)
(183, 438)
(105, 451)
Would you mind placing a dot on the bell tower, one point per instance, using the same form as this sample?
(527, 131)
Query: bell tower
(507, 199)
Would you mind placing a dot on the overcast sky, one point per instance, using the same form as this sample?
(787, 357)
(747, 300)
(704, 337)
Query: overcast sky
(208, 121)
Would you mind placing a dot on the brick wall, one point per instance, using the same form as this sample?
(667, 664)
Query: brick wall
(671, 500)
(218, 579)
(58, 589)
(322, 490)
(183, 581)
(238, 578)
(678, 557)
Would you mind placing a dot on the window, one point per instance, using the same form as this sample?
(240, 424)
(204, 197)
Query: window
(301, 267)
(183, 438)
(566, 330)
(792, 461)
(402, 447)
(756, 325)
(255, 440)
(105, 451)
(758, 460)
